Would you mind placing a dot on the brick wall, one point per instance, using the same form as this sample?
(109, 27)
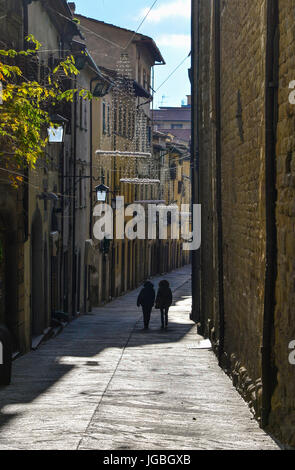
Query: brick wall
(243, 37)
(244, 243)
(283, 402)
(206, 169)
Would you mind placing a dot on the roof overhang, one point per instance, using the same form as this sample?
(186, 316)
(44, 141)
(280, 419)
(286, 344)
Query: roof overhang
(79, 49)
(150, 44)
(140, 91)
(61, 16)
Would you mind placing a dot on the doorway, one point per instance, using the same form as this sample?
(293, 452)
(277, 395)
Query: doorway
(37, 277)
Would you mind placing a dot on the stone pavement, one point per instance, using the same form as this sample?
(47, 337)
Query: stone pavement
(104, 383)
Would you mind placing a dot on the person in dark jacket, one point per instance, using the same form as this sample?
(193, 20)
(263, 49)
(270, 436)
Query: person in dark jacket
(146, 300)
(164, 301)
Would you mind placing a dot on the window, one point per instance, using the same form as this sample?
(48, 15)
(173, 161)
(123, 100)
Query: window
(81, 114)
(80, 188)
(85, 117)
(120, 119)
(104, 123)
(149, 136)
(176, 126)
(173, 171)
(145, 83)
(115, 119)
(132, 124)
(109, 121)
(125, 124)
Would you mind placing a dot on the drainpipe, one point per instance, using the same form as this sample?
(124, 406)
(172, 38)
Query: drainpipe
(195, 154)
(74, 267)
(218, 183)
(91, 160)
(93, 80)
(26, 170)
(271, 103)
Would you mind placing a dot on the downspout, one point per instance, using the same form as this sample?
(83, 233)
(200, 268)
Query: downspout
(74, 279)
(91, 198)
(91, 160)
(271, 103)
(26, 170)
(195, 153)
(219, 183)
(62, 213)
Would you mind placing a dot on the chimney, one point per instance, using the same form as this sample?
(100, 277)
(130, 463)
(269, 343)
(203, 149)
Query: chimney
(189, 100)
(72, 6)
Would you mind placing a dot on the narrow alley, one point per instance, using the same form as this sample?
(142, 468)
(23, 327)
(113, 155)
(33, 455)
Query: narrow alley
(104, 383)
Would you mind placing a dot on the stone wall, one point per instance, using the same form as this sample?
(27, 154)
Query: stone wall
(206, 168)
(242, 150)
(283, 403)
(12, 261)
(243, 49)
(243, 38)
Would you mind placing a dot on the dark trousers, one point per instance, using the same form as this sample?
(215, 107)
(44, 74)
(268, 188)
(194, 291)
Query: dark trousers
(146, 310)
(164, 316)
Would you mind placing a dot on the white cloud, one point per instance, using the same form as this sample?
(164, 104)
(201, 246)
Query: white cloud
(174, 9)
(174, 40)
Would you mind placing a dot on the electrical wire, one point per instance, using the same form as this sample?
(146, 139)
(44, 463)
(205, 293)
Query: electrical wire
(118, 45)
(173, 72)
(101, 37)
(31, 184)
(128, 44)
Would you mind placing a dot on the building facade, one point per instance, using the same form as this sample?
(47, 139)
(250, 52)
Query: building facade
(51, 266)
(123, 157)
(46, 220)
(175, 120)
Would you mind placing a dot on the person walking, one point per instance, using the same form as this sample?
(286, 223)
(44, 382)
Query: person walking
(164, 301)
(146, 300)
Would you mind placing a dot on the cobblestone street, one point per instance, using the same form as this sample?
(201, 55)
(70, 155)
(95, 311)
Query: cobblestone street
(104, 383)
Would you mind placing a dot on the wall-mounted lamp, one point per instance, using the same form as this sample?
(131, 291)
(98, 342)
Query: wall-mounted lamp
(56, 133)
(101, 192)
(101, 88)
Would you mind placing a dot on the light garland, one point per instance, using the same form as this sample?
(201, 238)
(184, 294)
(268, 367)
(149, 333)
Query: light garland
(139, 181)
(118, 153)
(152, 201)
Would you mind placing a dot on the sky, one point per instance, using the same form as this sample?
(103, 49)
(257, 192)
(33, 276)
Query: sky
(168, 24)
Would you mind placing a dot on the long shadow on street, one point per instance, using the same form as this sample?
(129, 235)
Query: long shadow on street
(109, 329)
